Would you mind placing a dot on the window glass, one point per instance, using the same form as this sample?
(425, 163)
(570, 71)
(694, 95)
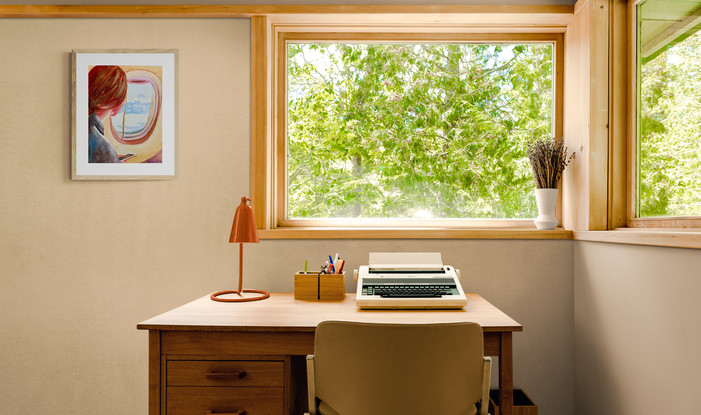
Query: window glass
(410, 130)
(137, 110)
(669, 113)
(135, 122)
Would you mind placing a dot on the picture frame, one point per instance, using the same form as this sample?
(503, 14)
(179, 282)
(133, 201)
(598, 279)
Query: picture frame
(124, 114)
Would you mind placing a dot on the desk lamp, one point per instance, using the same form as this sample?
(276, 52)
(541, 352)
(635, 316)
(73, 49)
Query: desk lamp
(243, 231)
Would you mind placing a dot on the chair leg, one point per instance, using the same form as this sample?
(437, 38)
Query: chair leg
(486, 378)
(311, 388)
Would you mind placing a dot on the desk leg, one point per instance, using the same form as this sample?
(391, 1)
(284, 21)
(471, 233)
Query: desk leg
(506, 375)
(154, 372)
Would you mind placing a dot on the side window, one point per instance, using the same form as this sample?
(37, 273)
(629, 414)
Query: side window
(669, 109)
(137, 119)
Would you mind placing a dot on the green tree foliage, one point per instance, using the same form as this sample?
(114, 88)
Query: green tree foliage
(670, 131)
(415, 130)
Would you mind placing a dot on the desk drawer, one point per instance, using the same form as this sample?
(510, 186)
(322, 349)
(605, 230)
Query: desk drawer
(224, 400)
(225, 373)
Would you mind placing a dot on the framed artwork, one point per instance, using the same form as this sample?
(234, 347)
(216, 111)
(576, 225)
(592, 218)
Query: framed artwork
(124, 114)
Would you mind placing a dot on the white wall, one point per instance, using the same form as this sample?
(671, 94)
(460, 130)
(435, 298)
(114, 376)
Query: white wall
(637, 336)
(83, 262)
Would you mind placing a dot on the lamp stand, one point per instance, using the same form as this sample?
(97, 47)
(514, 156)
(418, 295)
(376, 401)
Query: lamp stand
(263, 296)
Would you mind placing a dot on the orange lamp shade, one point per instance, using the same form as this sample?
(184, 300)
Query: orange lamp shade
(244, 228)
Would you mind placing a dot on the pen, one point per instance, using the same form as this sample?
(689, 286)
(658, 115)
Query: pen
(335, 261)
(340, 267)
(305, 266)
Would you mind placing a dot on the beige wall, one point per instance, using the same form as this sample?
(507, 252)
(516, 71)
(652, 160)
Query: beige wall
(83, 262)
(637, 336)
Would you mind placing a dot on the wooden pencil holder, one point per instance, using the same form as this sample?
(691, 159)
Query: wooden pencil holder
(319, 287)
(332, 287)
(306, 286)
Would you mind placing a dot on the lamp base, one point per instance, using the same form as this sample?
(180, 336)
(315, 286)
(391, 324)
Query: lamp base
(263, 296)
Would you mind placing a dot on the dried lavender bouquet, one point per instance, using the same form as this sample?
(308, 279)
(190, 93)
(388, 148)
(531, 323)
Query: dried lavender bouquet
(548, 159)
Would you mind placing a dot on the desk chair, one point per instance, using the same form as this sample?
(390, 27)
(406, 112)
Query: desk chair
(403, 369)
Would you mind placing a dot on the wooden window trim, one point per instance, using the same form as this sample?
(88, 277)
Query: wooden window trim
(411, 233)
(622, 226)
(677, 238)
(548, 14)
(268, 181)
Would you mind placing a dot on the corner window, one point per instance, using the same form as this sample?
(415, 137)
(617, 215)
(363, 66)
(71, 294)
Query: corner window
(669, 109)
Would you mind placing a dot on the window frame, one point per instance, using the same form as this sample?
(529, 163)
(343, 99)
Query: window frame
(633, 221)
(268, 185)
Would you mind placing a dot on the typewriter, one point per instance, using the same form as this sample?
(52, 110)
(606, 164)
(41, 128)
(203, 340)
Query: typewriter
(408, 280)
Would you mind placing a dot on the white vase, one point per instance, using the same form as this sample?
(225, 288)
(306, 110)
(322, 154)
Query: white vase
(546, 200)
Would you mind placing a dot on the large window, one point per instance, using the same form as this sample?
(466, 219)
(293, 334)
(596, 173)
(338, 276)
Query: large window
(415, 130)
(669, 109)
(396, 131)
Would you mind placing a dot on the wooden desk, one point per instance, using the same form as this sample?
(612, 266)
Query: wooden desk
(205, 343)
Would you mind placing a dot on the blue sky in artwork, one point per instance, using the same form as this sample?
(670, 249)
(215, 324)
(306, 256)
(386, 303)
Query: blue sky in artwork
(138, 108)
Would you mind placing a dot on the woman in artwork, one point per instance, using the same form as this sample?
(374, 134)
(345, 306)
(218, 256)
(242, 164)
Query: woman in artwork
(107, 93)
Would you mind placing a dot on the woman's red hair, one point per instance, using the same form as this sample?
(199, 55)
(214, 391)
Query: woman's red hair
(107, 87)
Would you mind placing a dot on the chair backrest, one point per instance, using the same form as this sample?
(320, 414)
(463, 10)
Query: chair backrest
(364, 368)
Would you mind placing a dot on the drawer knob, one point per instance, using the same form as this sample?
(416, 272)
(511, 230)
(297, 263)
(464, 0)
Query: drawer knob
(235, 374)
(242, 412)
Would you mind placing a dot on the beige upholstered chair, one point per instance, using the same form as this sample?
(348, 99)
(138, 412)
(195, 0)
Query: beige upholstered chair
(402, 369)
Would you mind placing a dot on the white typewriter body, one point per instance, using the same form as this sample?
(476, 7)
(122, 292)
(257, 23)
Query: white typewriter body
(408, 280)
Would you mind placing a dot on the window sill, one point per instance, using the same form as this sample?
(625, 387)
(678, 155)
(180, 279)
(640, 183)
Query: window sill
(411, 233)
(678, 238)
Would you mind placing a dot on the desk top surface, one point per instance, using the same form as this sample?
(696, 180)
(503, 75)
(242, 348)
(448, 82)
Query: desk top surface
(281, 312)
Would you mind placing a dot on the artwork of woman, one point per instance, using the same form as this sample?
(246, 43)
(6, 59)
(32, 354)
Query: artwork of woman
(107, 93)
